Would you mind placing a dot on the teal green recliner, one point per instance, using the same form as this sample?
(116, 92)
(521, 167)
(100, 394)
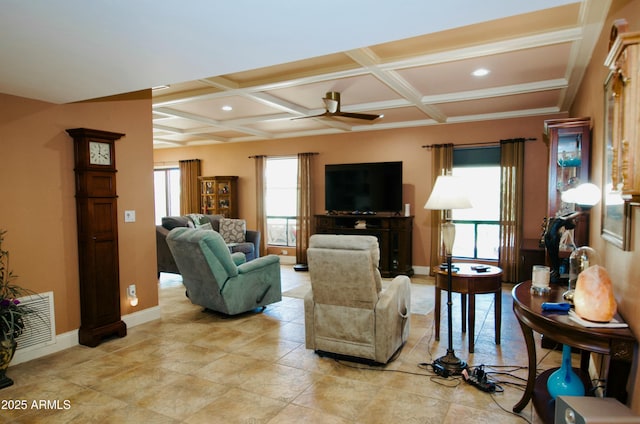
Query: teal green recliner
(221, 281)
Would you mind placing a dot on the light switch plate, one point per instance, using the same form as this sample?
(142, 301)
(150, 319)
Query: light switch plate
(129, 216)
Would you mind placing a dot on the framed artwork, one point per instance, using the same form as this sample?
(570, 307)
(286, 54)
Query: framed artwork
(615, 211)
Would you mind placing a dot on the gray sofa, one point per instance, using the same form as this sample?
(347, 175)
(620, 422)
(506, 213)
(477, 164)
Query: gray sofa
(166, 262)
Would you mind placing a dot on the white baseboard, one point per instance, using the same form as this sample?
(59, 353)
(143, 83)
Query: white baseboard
(421, 270)
(141, 317)
(70, 339)
(287, 260)
(62, 342)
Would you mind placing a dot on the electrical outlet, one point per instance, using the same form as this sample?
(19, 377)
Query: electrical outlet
(131, 290)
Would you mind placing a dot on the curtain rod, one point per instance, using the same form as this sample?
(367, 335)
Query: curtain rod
(276, 156)
(166, 163)
(430, 146)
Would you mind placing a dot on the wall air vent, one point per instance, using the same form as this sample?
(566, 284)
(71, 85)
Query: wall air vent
(40, 327)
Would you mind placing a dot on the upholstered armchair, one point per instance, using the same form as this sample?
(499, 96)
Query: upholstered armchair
(219, 280)
(349, 311)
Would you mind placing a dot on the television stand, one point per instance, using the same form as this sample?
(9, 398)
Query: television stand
(394, 235)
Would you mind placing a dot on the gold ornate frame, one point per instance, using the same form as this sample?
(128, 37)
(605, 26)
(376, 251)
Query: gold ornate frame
(615, 217)
(621, 181)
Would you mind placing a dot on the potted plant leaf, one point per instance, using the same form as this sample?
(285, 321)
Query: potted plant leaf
(12, 313)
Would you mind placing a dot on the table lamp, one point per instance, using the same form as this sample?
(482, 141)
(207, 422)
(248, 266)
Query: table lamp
(586, 196)
(449, 193)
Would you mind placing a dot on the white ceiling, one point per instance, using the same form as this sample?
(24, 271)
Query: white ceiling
(273, 61)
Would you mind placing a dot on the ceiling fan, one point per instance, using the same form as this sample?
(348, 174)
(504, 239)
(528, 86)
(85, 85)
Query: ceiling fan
(332, 105)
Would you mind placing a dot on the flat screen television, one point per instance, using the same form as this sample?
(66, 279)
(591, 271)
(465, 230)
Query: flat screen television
(363, 187)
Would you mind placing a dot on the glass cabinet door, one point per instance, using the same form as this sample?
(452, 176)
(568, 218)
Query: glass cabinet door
(567, 167)
(569, 152)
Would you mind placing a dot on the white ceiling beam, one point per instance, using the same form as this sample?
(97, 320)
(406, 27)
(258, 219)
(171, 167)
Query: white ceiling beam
(593, 14)
(184, 97)
(168, 129)
(158, 140)
(220, 82)
(506, 46)
(278, 103)
(503, 115)
(506, 90)
(367, 59)
(213, 122)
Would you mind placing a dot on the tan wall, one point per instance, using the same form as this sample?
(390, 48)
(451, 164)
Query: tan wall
(37, 203)
(624, 267)
(390, 145)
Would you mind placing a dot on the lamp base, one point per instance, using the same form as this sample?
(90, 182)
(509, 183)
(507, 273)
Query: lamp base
(451, 363)
(568, 295)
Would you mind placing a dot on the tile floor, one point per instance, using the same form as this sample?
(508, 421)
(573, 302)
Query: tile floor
(192, 366)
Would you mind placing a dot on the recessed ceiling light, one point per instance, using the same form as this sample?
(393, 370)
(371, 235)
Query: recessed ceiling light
(227, 108)
(480, 72)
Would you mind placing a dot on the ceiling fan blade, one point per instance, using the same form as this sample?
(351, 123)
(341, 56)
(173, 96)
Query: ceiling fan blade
(366, 116)
(313, 116)
(332, 105)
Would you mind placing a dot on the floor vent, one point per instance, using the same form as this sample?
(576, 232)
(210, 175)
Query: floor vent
(40, 327)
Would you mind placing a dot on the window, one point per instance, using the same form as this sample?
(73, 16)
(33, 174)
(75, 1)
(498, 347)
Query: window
(478, 228)
(282, 200)
(166, 183)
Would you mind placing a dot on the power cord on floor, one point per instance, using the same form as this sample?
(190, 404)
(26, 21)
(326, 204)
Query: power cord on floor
(483, 372)
(483, 375)
(479, 379)
(432, 376)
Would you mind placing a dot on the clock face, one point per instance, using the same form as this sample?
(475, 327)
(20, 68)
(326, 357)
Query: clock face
(99, 153)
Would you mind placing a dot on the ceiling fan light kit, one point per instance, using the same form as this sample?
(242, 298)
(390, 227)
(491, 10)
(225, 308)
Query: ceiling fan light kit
(332, 105)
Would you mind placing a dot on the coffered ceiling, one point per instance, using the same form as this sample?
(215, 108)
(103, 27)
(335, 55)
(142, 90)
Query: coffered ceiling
(535, 62)
(273, 62)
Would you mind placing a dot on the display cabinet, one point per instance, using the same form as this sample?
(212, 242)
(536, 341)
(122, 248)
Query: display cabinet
(569, 143)
(219, 196)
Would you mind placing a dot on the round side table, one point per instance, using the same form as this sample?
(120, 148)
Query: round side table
(468, 281)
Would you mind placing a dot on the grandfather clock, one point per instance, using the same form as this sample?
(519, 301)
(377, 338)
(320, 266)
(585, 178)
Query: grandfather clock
(97, 216)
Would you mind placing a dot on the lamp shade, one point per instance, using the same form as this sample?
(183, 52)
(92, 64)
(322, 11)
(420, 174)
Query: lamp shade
(449, 192)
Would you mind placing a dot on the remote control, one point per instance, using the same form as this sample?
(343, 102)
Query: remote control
(551, 306)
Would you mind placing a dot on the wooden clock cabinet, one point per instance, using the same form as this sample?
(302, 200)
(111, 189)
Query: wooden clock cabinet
(97, 213)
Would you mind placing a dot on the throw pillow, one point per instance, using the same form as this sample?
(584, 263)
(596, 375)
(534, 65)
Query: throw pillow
(196, 219)
(233, 230)
(171, 222)
(206, 226)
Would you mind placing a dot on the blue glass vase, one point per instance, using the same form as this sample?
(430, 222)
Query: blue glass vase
(564, 381)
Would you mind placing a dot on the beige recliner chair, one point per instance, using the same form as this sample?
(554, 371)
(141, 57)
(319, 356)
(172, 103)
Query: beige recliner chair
(349, 311)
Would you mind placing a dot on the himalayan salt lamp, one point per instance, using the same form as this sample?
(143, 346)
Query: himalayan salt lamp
(593, 298)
